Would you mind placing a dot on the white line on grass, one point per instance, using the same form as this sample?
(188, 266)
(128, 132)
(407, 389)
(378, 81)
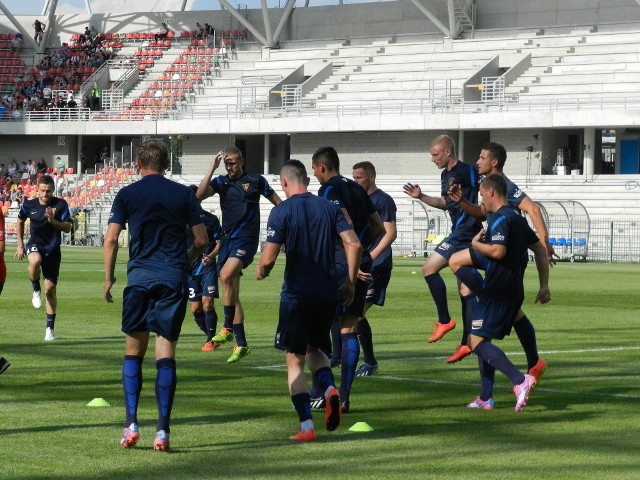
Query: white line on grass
(462, 384)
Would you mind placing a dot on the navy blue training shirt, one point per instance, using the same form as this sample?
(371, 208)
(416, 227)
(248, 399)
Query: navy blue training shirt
(308, 227)
(156, 211)
(214, 232)
(43, 234)
(467, 177)
(240, 203)
(347, 194)
(504, 277)
(386, 208)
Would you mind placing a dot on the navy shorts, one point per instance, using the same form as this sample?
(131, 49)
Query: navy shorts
(357, 306)
(493, 317)
(304, 323)
(50, 264)
(243, 249)
(454, 243)
(377, 289)
(205, 285)
(157, 307)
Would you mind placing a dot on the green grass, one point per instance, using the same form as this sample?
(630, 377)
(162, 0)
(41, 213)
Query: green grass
(233, 421)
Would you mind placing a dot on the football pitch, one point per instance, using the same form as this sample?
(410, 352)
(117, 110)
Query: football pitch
(233, 421)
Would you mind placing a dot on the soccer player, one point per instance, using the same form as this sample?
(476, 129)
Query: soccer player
(364, 174)
(463, 229)
(492, 159)
(239, 193)
(155, 211)
(308, 227)
(501, 251)
(4, 364)
(361, 213)
(203, 280)
(49, 216)
(3, 265)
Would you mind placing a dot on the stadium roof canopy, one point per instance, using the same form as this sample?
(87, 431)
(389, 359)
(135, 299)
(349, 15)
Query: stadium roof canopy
(461, 13)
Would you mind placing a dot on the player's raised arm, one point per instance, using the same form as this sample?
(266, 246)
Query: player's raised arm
(455, 195)
(204, 189)
(414, 191)
(529, 207)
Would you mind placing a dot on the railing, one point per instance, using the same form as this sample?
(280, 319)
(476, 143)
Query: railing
(416, 107)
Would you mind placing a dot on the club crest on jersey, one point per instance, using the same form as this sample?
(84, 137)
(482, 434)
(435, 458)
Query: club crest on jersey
(270, 232)
(241, 253)
(518, 194)
(476, 324)
(497, 238)
(452, 182)
(245, 187)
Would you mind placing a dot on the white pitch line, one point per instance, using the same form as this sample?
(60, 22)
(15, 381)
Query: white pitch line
(462, 384)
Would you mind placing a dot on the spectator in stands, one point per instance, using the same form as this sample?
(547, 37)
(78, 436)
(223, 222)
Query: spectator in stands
(72, 103)
(16, 43)
(85, 36)
(30, 89)
(96, 94)
(39, 31)
(46, 94)
(208, 30)
(41, 166)
(164, 32)
(23, 167)
(86, 101)
(60, 165)
(199, 31)
(32, 170)
(4, 171)
(93, 33)
(13, 171)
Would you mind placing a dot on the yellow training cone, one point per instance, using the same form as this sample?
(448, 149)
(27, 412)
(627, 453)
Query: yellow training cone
(98, 402)
(361, 427)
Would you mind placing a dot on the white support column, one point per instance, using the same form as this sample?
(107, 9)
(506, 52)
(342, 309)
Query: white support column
(267, 23)
(265, 168)
(283, 21)
(112, 145)
(589, 152)
(79, 155)
(460, 151)
(53, 6)
(452, 17)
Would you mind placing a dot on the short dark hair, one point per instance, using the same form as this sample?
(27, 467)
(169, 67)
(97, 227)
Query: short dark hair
(497, 151)
(294, 170)
(497, 182)
(328, 157)
(234, 151)
(46, 180)
(153, 155)
(367, 167)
